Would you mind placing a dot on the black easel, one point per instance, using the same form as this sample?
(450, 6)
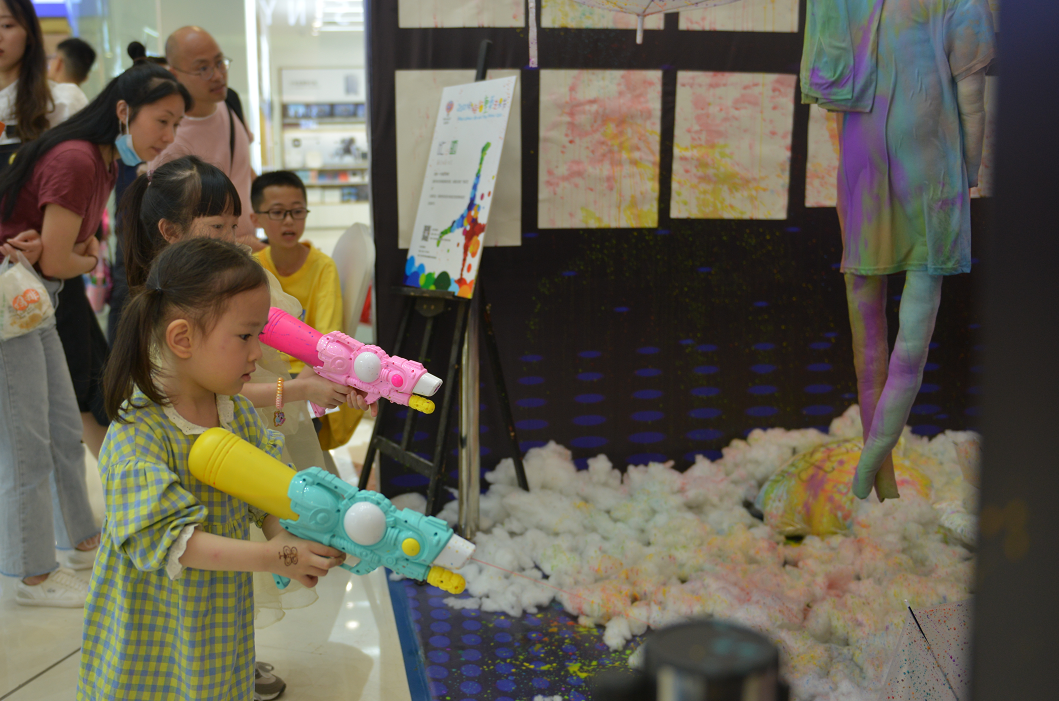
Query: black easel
(429, 304)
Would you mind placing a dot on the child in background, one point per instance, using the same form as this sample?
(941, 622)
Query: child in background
(188, 198)
(279, 202)
(170, 605)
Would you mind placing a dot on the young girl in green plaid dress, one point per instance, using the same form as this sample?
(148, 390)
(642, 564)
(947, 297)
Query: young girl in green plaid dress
(170, 606)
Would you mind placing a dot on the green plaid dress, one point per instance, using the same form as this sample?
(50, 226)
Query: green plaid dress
(147, 635)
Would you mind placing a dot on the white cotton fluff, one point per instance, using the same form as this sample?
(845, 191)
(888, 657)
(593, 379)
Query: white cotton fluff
(411, 500)
(654, 547)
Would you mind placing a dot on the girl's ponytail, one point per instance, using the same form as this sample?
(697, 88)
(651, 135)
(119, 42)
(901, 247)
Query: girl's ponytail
(142, 245)
(130, 363)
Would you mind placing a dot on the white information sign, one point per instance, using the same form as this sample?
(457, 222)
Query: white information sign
(458, 187)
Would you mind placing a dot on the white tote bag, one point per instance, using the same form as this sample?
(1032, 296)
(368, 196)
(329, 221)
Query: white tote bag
(24, 303)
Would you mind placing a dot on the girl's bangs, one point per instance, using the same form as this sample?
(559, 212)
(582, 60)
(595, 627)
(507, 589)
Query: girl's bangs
(217, 196)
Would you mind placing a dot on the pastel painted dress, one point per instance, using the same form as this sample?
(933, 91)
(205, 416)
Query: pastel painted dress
(153, 630)
(902, 184)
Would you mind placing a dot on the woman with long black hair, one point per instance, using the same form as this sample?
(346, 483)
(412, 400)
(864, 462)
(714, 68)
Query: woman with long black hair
(58, 185)
(29, 102)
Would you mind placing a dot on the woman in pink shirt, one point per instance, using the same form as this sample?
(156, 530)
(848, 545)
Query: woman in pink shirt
(58, 185)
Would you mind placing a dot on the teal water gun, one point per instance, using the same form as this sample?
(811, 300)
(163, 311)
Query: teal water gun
(315, 505)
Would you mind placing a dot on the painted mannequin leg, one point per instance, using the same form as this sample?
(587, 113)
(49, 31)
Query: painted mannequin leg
(919, 309)
(866, 299)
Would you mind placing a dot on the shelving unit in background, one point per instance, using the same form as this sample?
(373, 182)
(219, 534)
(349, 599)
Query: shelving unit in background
(325, 141)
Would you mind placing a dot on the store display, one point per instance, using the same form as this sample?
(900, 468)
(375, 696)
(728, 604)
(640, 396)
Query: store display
(324, 149)
(324, 139)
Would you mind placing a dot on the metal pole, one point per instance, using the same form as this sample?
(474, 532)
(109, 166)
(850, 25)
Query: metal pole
(469, 452)
(469, 455)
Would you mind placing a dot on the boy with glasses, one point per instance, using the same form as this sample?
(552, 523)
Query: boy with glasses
(279, 207)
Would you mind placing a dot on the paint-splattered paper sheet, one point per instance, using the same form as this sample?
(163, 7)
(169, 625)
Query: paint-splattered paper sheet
(418, 94)
(465, 13)
(599, 148)
(744, 16)
(732, 145)
(568, 13)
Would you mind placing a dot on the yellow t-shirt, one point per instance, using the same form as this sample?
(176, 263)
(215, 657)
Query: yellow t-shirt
(316, 286)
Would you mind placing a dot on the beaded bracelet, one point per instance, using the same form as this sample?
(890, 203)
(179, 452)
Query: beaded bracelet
(278, 418)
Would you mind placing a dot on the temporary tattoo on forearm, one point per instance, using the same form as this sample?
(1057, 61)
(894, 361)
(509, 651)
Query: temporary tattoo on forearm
(289, 555)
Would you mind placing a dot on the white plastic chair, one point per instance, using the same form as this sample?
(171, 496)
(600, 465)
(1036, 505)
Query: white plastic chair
(354, 256)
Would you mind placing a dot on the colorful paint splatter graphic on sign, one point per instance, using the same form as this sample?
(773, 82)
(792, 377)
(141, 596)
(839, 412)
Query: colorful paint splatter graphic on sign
(568, 13)
(599, 149)
(472, 13)
(732, 145)
(467, 223)
(744, 16)
(821, 170)
(472, 230)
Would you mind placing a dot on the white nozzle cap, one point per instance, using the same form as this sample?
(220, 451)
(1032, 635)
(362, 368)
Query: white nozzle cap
(456, 553)
(428, 384)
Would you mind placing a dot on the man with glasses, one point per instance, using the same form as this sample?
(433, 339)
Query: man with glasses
(210, 129)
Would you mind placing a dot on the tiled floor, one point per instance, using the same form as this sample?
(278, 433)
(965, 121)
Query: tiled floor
(344, 646)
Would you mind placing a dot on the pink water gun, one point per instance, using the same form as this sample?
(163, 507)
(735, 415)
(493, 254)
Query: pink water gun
(349, 362)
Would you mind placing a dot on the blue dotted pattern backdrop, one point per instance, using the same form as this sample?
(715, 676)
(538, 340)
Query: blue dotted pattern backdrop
(663, 348)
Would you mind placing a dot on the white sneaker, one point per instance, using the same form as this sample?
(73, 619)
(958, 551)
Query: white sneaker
(62, 589)
(75, 559)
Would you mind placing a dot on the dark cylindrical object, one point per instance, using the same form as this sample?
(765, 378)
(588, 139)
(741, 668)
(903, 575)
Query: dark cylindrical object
(483, 60)
(714, 660)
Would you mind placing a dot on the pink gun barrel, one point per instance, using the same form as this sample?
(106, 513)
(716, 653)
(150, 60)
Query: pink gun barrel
(347, 361)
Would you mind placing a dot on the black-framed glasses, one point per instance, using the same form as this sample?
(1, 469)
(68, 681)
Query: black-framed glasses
(281, 214)
(206, 72)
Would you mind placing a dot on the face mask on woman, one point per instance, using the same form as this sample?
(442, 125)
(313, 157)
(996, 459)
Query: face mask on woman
(126, 152)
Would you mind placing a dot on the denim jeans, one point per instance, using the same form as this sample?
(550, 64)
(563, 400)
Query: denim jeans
(43, 494)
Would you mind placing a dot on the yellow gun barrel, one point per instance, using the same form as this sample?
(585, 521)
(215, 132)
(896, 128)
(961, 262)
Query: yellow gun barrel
(446, 580)
(421, 404)
(228, 463)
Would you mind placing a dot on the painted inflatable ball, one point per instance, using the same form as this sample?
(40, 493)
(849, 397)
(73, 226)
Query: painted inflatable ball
(811, 494)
